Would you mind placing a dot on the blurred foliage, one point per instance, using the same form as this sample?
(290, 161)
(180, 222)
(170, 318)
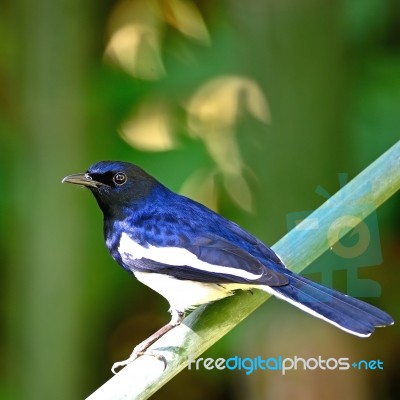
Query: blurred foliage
(245, 106)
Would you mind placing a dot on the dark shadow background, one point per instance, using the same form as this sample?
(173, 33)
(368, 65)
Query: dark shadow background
(245, 106)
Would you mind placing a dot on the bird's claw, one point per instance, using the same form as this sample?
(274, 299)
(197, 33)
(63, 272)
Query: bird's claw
(120, 364)
(136, 354)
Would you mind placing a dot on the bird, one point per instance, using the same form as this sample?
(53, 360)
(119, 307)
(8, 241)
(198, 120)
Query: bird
(191, 255)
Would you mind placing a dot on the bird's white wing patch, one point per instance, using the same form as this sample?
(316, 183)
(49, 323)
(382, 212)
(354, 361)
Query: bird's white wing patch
(131, 250)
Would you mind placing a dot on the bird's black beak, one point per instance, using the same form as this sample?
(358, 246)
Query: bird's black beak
(83, 180)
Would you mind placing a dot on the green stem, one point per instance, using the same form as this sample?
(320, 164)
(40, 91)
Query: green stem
(301, 246)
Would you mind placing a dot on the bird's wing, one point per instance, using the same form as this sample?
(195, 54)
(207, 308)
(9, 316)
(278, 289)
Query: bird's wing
(207, 258)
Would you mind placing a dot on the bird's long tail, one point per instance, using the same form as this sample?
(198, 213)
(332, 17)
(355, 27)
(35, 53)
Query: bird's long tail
(345, 312)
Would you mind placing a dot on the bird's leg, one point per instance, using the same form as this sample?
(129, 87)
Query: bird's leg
(140, 349)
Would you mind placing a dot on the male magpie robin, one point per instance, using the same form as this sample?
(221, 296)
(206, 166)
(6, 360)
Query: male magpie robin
(191, 255)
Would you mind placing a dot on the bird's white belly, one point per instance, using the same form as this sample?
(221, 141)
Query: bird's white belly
(185, 294)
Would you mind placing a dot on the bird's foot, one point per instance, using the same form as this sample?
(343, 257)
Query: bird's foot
(137, 352)
(141, 349)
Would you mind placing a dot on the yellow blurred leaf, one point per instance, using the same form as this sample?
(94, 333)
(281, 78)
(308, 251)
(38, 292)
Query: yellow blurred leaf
(184, 16)
(200, 186)
(135, 43)
(238, 189)
(220, 102)
(149, 128)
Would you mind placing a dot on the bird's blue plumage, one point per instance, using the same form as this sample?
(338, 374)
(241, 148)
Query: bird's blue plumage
(150, 229)
(167, 219)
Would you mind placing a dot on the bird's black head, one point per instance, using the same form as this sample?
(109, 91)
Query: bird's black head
(115, 184)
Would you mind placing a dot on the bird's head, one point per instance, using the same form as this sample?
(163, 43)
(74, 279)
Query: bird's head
(115, 184)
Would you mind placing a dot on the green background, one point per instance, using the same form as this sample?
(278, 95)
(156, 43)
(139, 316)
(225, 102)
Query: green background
(307, 89)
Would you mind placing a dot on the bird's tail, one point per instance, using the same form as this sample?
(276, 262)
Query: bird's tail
(345, 312)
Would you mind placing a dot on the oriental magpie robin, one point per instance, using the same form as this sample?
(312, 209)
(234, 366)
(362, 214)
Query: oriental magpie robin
(191, 255)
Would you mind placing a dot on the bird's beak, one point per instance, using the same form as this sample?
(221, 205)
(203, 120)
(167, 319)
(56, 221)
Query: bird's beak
(82, 179)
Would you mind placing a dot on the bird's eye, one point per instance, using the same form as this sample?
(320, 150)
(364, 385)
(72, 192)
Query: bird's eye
(119, 178)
